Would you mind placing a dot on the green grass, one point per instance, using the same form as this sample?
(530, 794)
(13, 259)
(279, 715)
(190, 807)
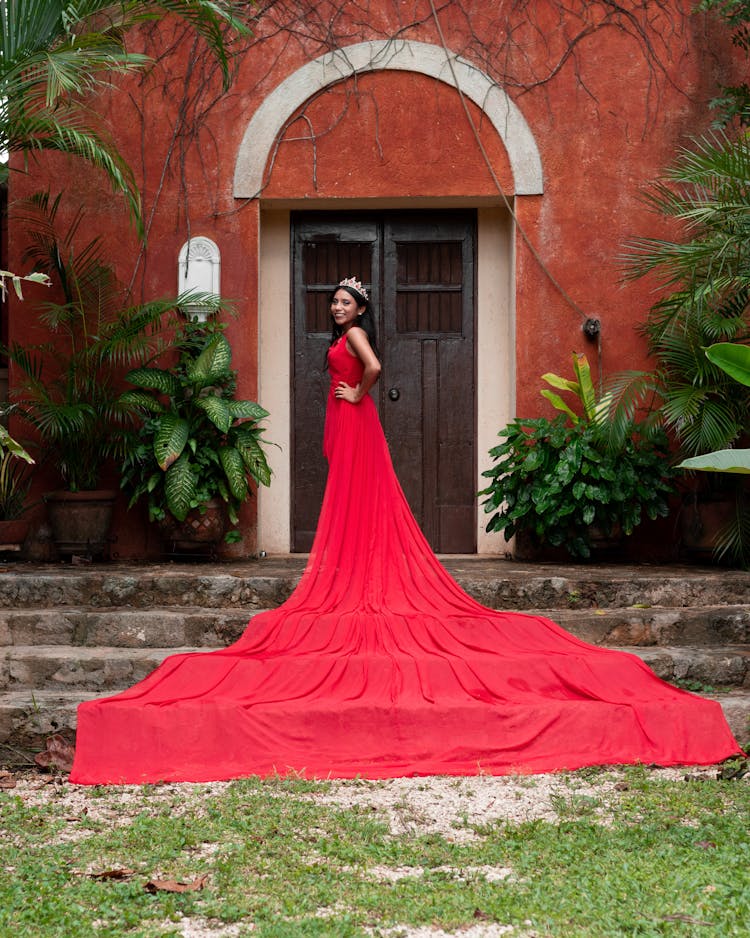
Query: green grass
(652, 857)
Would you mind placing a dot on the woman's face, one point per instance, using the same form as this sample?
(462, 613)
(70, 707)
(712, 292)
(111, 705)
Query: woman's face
(345, 310)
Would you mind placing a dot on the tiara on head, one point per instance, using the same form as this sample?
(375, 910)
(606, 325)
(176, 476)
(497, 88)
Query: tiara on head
(355, 285)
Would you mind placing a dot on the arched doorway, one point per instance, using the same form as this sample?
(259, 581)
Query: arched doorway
(494, 291)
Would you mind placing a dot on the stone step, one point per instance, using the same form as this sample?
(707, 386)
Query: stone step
(540, 586)
(261, 584)
(656, 625)
(110, 669)
(27, 717)
(71, 633)
(703, 667)
(172, 627)
(252, 585)
(163, 627)
(61, 667)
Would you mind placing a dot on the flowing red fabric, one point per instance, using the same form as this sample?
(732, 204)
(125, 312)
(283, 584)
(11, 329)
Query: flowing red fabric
(379, 666)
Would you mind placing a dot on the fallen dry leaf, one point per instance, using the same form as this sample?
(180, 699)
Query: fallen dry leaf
(688, 919)
(120, 873)
(169, 885)
(58, 755)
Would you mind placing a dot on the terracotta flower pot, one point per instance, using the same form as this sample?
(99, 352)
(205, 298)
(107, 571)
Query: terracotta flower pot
(81, 521)
(702, 519)
(199, 529)
(13, 534)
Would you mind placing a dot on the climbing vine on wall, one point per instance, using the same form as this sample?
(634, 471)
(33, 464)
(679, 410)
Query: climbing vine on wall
(521, 45)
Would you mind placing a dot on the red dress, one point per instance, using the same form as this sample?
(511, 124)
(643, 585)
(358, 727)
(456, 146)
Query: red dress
(379, 665)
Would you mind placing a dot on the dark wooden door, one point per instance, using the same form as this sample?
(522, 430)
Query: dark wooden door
(420, 269)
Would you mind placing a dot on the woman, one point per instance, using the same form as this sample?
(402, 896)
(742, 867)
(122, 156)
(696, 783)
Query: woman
(379, 665)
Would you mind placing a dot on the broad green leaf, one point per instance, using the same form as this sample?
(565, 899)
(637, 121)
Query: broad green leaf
(732, 358)
(13, 446)
(722, 460)
(179, 487)
(213, 362)
(586, 390)
(234, 469)
(170, 440)
(154, 378)
(247, 409)
(560, 404)
(255, 462)
(217, 411)
(562, 384)
(142, 399)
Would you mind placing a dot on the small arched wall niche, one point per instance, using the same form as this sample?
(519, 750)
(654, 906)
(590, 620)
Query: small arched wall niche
(199, 272)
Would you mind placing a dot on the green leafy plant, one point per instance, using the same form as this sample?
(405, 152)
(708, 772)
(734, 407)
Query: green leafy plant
(562, 480)
(197, 441)
(8, 445)
(705, 276)
(734, 359)
(55, 56)
(15, 484)
(67, 387)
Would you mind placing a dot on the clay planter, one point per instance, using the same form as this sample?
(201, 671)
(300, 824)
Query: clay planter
(199, 530)
(13, 534)
(81, 521)
(701, 520)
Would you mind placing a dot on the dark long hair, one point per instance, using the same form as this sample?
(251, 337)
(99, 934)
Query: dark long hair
(366, 321)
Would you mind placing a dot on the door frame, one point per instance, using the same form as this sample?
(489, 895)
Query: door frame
(495, 356)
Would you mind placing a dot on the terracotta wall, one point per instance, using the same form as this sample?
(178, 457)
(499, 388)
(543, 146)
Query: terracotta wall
(606, 115)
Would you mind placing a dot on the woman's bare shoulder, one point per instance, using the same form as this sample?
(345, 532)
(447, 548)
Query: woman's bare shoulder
(357, 337)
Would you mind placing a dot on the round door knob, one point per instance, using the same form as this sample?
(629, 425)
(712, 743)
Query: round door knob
(394, 394)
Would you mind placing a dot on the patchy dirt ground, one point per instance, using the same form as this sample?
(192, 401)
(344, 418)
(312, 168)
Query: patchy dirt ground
(451, 807)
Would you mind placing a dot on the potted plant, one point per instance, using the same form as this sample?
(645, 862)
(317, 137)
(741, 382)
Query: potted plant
(68, 386)
(568, 481)
(734, 359)
(705, 278)
(198, 449)
(15, 483)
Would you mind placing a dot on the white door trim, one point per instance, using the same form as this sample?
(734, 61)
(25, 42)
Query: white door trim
(495, 344)
(400, 55)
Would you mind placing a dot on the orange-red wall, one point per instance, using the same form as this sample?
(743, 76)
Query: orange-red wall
(606, 118)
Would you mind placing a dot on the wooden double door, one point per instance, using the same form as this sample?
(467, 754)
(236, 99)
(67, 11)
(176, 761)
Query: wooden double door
(419, 268)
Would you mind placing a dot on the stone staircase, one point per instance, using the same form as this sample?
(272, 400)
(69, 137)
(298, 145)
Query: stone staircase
(70, 633)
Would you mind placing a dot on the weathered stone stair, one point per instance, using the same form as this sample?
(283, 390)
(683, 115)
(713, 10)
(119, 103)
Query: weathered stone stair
(71, 633)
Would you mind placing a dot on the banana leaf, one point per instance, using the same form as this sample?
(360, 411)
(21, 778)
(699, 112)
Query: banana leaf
(722, 460)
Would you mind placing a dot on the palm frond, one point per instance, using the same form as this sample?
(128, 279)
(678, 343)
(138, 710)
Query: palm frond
(54, 55)
(67, 133)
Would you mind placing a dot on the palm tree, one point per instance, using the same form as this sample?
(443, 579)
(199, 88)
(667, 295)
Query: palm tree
(706, 279)
(56, 54)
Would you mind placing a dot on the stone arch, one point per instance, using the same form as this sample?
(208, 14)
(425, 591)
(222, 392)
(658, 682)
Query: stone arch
(400, 55)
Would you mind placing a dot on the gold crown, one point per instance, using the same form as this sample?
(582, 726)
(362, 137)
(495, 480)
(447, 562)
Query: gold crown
(355, 285)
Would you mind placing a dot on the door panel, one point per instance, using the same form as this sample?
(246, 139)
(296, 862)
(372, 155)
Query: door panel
(321, 250)
(420, 266)
(428, 280)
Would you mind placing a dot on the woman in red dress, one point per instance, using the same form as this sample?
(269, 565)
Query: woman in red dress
(379, 665)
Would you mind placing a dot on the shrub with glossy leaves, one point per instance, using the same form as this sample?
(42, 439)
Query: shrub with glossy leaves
(196, 441)
(558, 482)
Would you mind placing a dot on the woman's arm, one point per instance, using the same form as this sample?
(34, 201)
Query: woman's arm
(357, 341)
